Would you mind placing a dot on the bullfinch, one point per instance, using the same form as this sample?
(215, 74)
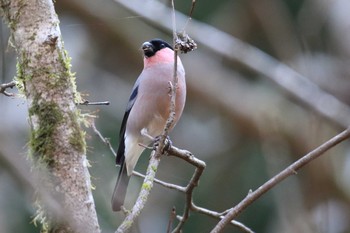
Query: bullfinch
(147, 110)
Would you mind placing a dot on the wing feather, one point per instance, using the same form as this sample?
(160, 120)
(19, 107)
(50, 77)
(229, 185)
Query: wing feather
(121, 149)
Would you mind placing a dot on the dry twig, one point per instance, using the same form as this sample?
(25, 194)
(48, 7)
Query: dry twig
(171, 219)
(86, 102)
(103, 139)
(188, 190)
(4, 86)
(189, 205)
(290, 170)
(200, 166)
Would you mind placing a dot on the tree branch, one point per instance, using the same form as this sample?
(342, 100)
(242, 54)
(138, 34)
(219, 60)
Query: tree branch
(290, 170)
(189, 205)
(4, 86)
(200, 166)
(218, 215)
(141, 200)
(188, 190)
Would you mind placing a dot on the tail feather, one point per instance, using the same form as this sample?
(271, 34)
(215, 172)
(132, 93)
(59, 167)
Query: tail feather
(120, 188)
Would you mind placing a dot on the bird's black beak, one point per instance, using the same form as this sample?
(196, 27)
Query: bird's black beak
(148, 49)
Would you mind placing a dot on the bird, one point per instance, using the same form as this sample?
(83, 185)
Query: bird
(147, 110)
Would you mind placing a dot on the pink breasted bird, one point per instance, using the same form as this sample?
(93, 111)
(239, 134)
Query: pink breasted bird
(147, 110)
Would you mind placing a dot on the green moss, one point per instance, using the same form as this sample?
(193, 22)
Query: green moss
(49, 223)
(21, 76)
(154, 168)
(42, 139)
(146, 186)
(40, 217)
(66, 61)
(22, 62)
(128, 224)
(77, 138)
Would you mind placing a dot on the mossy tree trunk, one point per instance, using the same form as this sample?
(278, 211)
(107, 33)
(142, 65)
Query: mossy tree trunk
(57, 143)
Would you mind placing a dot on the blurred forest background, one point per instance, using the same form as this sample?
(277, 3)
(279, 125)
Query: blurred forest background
(244, 125)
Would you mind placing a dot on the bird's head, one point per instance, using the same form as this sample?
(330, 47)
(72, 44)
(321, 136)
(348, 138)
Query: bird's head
(157, 51)
(150, 48)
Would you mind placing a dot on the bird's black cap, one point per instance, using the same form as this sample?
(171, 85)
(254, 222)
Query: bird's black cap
(151, 47)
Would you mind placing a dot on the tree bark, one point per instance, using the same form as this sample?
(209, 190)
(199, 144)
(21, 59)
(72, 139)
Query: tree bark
(57, 142)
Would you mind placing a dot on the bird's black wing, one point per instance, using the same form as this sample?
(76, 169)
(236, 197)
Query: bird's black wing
(121, 149)
(123, 178)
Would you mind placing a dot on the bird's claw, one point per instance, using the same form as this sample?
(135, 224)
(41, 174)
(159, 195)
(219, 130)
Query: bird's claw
(167, 144)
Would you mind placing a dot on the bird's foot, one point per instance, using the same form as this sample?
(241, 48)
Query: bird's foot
(167, 144)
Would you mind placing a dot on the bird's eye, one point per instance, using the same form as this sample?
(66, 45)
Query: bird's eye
(162, 46)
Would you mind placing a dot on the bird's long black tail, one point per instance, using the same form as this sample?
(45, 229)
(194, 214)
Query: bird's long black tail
(120, 188)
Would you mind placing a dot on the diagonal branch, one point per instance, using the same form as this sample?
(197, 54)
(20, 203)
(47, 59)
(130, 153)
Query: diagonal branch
(200, 166)
(290, 170)
(218, 215)
(103, 139)
(143, 195)
(188, 190)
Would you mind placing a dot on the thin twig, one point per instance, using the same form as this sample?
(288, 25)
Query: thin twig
(86, 102)
(171, 219)
(218, 215)
(190, 14)
(162, 183)
(103, 139)
(4, 86)
(192, 9)
(188, 157)
(200, 166)
(290, 170)
(189, 205)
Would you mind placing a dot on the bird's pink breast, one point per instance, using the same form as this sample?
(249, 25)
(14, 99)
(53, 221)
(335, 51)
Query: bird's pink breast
(165, 55)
